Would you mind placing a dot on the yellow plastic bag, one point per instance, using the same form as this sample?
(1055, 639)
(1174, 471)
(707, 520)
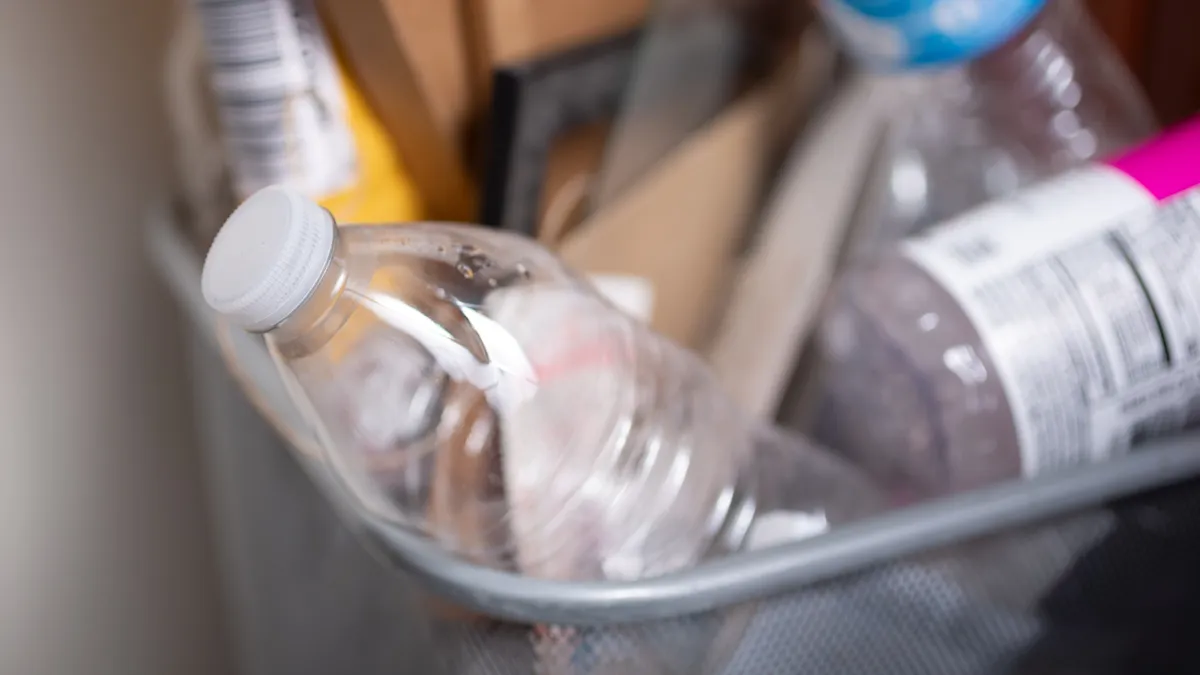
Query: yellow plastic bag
(383, 192)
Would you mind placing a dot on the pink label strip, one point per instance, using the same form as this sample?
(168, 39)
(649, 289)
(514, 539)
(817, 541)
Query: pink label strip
(1167, 165)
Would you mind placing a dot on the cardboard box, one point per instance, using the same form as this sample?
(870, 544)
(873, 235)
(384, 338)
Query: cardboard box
(410, 58)
(682, 226)
(507, 31)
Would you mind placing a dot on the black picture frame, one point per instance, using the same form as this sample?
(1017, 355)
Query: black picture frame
(533, 104)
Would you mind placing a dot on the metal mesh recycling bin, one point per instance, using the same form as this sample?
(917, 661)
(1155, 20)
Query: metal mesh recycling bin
(1092, 571)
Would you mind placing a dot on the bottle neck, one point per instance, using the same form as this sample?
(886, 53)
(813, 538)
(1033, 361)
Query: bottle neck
(325, 310)
(1040, 59)
(1055, 92)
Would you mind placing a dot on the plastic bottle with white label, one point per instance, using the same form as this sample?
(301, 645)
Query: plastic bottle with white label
(465, 384)
(1055, 327)
(1004, 93)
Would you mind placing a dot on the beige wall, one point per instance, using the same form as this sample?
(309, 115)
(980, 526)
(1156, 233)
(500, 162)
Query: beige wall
(104, 561)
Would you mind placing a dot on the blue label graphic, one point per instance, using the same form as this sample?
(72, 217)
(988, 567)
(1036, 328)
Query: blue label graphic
(913, 33)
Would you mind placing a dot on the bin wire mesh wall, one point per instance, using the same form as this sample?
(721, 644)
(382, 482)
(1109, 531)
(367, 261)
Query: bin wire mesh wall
(1103, 591)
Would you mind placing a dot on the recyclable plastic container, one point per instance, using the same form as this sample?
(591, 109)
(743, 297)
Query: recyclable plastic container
(1090, 570)
(1038, 332)
(469, 386)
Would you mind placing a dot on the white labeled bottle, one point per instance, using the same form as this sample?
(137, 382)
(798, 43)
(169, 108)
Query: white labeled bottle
(465, 384)
(1005, 93)
(1055, 327)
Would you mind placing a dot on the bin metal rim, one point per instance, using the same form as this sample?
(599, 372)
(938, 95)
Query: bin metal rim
(786, 568)
(728, 581)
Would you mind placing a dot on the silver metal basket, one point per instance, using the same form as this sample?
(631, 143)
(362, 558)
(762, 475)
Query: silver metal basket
(970, 584)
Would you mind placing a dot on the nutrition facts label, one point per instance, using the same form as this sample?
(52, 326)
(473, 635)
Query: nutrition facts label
(1086, 294)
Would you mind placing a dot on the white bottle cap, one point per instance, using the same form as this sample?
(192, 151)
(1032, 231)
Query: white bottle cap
(268, 258)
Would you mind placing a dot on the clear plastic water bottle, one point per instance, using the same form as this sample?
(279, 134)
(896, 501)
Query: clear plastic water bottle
(1004, 93)
(1053, 328)
(465, 384)
(1001, 94)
